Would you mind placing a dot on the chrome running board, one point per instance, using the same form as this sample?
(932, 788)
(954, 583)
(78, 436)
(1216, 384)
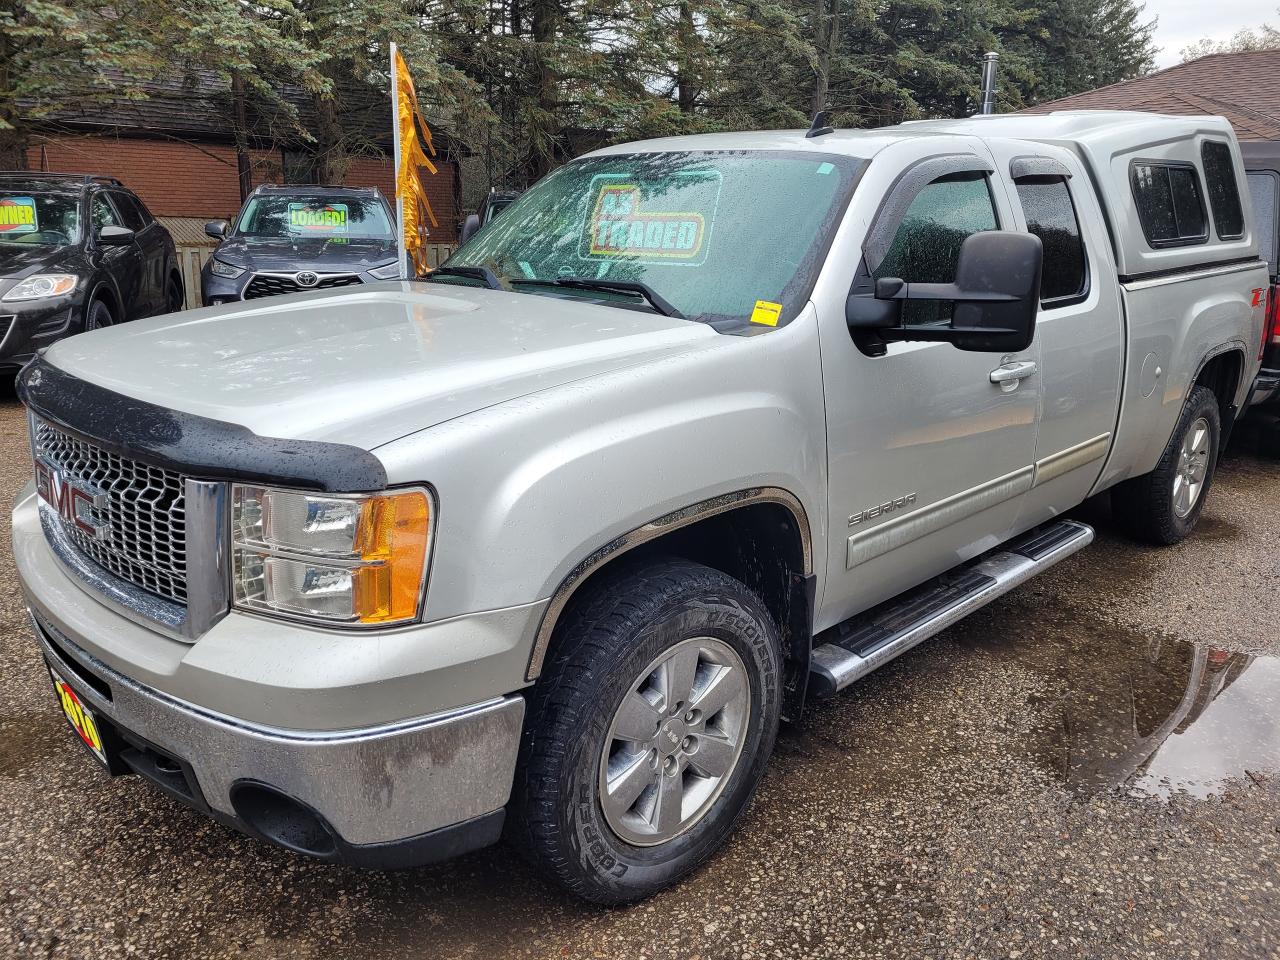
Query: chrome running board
(851, 650)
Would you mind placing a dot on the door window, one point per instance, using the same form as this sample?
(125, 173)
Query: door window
(1224, 192)
(926, 247)
(103, 214)
(1169, 202)
(135, 215)
(1051, 216)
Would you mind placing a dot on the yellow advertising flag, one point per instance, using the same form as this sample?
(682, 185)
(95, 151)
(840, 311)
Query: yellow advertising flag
(412, 133)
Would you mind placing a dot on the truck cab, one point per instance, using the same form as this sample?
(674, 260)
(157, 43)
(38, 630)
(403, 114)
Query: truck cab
(550, 541)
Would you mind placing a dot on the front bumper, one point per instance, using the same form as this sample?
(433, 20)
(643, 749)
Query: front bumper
(28, 325)
(392, 796)
(383, 751)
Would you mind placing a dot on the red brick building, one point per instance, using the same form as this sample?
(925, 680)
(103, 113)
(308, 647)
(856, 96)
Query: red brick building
(175, 148)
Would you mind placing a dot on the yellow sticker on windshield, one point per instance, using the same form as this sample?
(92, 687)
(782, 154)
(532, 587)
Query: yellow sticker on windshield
(766, 312)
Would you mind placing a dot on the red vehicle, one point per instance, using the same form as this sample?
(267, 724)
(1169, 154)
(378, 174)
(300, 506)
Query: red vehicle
(1262, 167)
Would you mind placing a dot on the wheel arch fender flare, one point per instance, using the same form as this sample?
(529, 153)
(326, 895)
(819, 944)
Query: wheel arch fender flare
(656, 529)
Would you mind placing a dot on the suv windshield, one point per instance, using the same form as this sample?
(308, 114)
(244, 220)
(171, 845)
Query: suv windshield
(39, 219)
(734, 236)
(333, 217)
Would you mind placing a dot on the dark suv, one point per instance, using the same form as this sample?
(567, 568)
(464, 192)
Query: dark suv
(77, 252)
(288, 239)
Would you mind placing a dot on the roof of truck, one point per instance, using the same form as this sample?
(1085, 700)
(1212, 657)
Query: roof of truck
(1073, 126)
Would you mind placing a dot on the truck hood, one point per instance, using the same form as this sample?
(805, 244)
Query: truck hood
(367, 367)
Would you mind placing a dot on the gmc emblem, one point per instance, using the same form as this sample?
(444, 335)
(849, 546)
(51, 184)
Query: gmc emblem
(75, 503)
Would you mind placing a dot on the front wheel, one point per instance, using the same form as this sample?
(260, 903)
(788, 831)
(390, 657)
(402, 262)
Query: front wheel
(648, 731)
(1163, 506)
(99, 316)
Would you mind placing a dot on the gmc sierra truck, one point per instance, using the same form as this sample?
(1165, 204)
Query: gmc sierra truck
(551, 541)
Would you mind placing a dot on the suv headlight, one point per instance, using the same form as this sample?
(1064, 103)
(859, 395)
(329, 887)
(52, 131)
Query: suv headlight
(42, 285)
(388, 271)
(224, 270)
(359, 560)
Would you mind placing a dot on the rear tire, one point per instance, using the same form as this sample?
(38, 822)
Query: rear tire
(1163, 506)
(173, 295)
(647, 644)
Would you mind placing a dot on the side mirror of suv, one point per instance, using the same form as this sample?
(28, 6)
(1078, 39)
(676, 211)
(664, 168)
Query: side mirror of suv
(469, 228)
(216, 229)
(996, 295)
(113, 236)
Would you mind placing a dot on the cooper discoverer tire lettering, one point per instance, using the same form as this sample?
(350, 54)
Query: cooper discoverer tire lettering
(640, 634)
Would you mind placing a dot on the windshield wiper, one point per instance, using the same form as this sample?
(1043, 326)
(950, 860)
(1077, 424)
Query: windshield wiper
(483, 274)
(656, 300)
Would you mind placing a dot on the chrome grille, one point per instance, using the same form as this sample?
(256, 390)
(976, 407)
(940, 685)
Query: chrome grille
(144, 539)
(273, 284)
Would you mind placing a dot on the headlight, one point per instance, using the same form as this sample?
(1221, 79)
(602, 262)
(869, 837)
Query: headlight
(224, 270)
(42, 285)
(388, 271)
(359, 560)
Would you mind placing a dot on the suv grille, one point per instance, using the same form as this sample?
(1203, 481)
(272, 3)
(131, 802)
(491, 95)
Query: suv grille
(269, 285)
(145, 523)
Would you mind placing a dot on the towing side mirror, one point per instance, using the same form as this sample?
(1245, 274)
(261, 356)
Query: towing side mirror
(469, 228)
(996, 295)
(113, 236)
(216, 229)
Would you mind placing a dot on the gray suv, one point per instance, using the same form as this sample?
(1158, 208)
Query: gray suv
(289, 239)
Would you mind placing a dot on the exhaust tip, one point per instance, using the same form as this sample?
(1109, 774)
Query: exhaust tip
(283, 820)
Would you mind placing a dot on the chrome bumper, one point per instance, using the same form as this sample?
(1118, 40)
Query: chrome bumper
(380, 786)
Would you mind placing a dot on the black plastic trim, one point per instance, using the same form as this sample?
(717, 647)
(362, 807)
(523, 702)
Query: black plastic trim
(193, 445)
(1190, 268)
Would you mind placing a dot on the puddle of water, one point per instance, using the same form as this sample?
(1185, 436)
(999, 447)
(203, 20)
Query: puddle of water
(1148, 715)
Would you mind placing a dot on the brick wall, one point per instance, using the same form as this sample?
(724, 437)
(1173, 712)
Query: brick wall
(188, 180)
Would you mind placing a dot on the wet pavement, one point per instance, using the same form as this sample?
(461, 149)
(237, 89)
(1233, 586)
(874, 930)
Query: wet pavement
(1089, 767)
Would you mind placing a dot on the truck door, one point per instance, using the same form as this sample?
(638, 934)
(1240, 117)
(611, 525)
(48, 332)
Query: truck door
(1080, 329)
(930, 448)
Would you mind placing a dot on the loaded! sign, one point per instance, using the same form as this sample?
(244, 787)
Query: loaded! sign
(18, 215)
(624, 223)
(310, 218)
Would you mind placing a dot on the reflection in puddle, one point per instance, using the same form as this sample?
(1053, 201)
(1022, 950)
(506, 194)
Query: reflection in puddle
(1167, 718)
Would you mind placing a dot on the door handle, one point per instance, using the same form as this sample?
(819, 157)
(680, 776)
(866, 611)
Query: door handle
(1009, 375)
(1017, 370)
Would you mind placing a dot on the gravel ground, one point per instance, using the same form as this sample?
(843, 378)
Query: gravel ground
(1062, 775)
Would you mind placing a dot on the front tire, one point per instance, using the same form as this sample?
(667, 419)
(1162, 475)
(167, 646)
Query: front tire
(1163, 506)
(99, 316)
(649, 730)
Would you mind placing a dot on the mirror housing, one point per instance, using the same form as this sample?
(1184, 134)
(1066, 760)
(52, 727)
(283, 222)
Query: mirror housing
(996, 295)
(113, 236)
(469, 228)
(217, 229)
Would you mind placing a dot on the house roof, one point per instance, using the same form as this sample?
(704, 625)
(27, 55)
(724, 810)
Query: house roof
(196, 104)
(1243, 87)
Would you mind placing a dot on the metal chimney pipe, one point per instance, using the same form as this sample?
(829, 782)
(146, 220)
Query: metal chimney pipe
(989, 62)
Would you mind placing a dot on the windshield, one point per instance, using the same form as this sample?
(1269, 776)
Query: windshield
(329, 218)
(39, 219)
(734, 237)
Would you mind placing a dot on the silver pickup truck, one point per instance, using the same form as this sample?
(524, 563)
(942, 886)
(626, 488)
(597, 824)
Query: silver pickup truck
(552, 540)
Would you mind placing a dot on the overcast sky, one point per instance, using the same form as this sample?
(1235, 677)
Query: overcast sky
(1183, 22)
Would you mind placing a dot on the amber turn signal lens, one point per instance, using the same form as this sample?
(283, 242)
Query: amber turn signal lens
(392, 539)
